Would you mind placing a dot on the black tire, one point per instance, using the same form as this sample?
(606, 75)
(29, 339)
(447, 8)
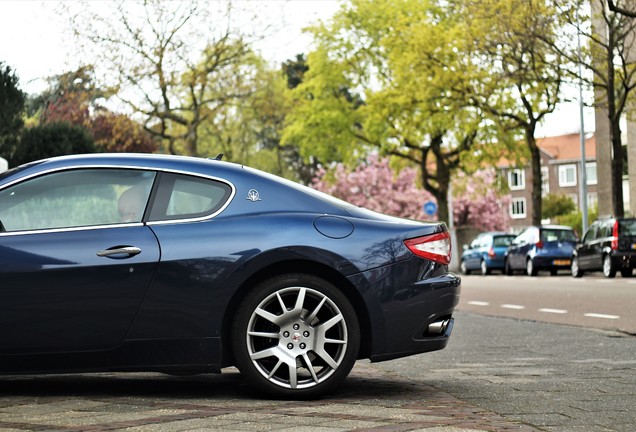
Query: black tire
(314, 316)
(531, 269)
(575, 269)
(463, 268)
(507, 270)
(609, 269)
(485, 271)
(626, 273)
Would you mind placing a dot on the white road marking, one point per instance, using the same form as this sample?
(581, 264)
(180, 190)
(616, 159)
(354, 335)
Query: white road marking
(597, 315)
(512, 306)
(554, 311)
(478, 303)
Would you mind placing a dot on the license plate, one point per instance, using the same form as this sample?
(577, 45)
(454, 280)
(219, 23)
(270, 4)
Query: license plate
(561, 262)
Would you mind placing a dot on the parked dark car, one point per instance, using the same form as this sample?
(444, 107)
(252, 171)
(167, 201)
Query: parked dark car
(547, 247)
(184, 265)
(608, 245)
(486, 253)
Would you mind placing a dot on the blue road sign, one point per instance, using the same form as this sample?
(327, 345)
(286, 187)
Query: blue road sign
(430, 208)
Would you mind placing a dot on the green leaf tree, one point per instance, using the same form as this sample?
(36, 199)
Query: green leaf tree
(177, 64)
(12, 104)
(519, 77)
(383, 77)
(52, 139)
(557, 205)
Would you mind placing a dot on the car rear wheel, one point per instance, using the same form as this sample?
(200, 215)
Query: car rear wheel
(507, 269)
(531, 270)
(609, 271)
(295, 336)
(626, 272)
(464, 268)
(484, 268)
(574, 267)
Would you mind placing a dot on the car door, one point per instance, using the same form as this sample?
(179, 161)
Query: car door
(471, 255)
(585, 251)
(76, 259)
(516, 251)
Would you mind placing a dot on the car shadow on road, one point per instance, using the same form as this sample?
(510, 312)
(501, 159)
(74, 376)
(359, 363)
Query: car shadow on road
(228, 385)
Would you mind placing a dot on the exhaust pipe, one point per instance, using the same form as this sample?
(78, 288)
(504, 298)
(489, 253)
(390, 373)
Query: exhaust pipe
(438, 327)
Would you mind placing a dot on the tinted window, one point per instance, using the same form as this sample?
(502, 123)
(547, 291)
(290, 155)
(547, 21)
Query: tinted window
(557, 235)
(591, 233)
(502, 240)
(606, 229)
(627, 227)
(76, 198)
(184, 197)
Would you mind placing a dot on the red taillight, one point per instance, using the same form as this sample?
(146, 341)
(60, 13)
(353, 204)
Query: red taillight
(614, 243)
(491, 253)
(539, 244)
(436, 247)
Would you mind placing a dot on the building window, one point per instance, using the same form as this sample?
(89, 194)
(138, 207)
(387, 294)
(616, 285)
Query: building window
(518, 208)
(545, 181)
(567, 175)
(517, 179)
(592, 200)
(590, 173)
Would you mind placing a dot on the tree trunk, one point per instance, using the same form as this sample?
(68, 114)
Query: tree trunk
(535, 160)
(440, 191)
(617, 171)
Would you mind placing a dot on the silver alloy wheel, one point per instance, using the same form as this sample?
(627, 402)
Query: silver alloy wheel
(297, 337)
(608, 271)
(530, 268)
(484, 268)
(574, 267)
(463, 268)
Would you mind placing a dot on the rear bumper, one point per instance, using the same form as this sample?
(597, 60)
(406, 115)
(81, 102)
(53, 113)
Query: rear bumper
(552, 262)
(496, 263)
(623, 259)
(408, 304)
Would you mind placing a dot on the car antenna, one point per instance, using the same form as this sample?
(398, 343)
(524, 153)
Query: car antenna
(218, 157)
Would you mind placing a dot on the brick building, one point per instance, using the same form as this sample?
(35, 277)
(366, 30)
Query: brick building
(560, 164)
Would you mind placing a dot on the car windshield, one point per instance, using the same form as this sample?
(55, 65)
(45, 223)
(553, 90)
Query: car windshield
(557, 235)
(627, 227)
(502, 240)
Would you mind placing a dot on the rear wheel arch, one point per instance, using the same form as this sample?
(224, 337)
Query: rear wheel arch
(312, 268)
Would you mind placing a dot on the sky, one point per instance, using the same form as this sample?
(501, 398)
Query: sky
(35, 42)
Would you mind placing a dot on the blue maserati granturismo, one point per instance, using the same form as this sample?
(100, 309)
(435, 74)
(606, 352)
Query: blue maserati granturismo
(126, 262)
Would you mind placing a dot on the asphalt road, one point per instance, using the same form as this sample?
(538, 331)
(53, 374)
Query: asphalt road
(553, 377)
(592, 301)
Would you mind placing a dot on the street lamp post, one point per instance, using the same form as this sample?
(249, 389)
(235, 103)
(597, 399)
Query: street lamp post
(583, 171)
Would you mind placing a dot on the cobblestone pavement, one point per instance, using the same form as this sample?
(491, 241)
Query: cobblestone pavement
(371, 400)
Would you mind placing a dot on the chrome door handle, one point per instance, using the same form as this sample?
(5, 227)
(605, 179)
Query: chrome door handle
(124, 250)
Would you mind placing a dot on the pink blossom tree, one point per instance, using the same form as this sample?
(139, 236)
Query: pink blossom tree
(479, 202)
(375, 186)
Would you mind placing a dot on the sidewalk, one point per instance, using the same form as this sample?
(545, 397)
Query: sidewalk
(371, 400)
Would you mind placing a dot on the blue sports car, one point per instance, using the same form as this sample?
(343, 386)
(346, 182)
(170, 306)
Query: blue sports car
(187, 265)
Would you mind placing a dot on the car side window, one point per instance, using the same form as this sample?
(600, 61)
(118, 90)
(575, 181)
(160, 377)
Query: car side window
(76, 198)
(591, 234)
(186, 197)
